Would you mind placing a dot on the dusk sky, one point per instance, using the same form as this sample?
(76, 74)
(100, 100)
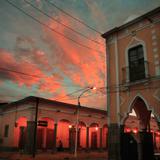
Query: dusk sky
(48, 53)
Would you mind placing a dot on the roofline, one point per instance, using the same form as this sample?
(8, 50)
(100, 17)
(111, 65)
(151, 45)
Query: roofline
(73, 106)
(146, 15)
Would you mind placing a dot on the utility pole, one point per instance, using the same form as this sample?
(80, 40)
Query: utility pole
(77, 124)
(35, 128)
(77, 118)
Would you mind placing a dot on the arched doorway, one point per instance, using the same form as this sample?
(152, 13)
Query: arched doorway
(45, 134)
(64, 133)
(138, 138)
(82, 135)
(131, 126)
(105, 136)
(20, 132)
(94, 136)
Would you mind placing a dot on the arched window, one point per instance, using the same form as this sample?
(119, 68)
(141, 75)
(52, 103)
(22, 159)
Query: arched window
(136, 63)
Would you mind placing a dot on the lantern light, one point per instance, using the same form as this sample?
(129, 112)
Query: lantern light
(158, 133)
(127, 130)
(135, 130)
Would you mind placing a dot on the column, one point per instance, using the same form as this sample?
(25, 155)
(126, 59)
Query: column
(146, 141)
(55, 138)
(44, 138)
(159, 124)
(106, 143)
(114, 141)
(29, 137)
(154, 141)
(21, 144)
(87, 138)
(72, 139)
(101, 129)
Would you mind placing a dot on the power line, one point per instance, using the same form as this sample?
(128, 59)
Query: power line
(37, 20)
(26, 74)
(78, 20)
(70, 94)
(128, 84)
(130, 90)
(73, 93)
(44, 13)
(81, 97)
(113, 91)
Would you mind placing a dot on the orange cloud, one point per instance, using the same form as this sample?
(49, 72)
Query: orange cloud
(25, 73)
(87, 65)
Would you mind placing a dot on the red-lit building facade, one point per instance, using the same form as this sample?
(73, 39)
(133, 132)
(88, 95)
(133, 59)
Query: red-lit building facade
(17, 126)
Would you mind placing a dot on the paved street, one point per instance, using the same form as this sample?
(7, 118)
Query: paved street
(57, 156)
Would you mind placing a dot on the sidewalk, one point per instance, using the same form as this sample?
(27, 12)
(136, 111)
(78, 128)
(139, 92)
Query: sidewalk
(57, 156)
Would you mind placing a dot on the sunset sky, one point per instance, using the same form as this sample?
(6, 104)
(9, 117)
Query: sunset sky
(51, 53)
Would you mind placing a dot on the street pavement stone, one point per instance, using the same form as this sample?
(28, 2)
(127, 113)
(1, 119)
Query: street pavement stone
(56, 156)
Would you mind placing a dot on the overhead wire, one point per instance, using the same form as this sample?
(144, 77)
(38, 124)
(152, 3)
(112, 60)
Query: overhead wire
(74, 92)
(73, 17)
(70, 94)
(133, 89)
(77, 91)
(66, 26)
(47, 26)
(67, 38)
(35, 76)
(84, 96)
(25, 74)
(123, 84)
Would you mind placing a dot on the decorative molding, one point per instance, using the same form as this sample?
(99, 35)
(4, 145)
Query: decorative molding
(157, 68)
(130, 105)
(157, 94)
(154, 37)
(155, 52)
(135, 41)
(155, 49)
(156, 56)
(122, 100)
(156, 62)
(117, 78)
(154, 43)
(153, 31)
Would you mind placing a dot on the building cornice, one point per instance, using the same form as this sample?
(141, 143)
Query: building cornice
(61, 105)
(136, 20)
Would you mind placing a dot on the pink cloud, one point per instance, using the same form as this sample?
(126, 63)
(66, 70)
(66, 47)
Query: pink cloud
(11, 69)
(88, 65)
(26, 49)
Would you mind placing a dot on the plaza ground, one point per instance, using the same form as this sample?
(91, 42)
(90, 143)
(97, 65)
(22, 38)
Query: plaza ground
(55, 156)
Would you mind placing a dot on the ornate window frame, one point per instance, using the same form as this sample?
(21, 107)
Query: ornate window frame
(133, 43)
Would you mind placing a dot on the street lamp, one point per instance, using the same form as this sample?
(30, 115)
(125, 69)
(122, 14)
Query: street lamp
(77, 118)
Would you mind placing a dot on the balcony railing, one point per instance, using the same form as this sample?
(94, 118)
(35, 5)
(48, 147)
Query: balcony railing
(135, 74)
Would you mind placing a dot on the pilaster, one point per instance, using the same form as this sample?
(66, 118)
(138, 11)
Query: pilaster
(29, 137)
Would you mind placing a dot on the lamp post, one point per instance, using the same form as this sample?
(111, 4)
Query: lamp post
(77, 117)
(35, 129)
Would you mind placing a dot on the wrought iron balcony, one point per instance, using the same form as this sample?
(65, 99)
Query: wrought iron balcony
(135, 73)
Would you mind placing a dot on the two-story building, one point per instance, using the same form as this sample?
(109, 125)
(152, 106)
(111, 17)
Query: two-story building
(133, 83)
